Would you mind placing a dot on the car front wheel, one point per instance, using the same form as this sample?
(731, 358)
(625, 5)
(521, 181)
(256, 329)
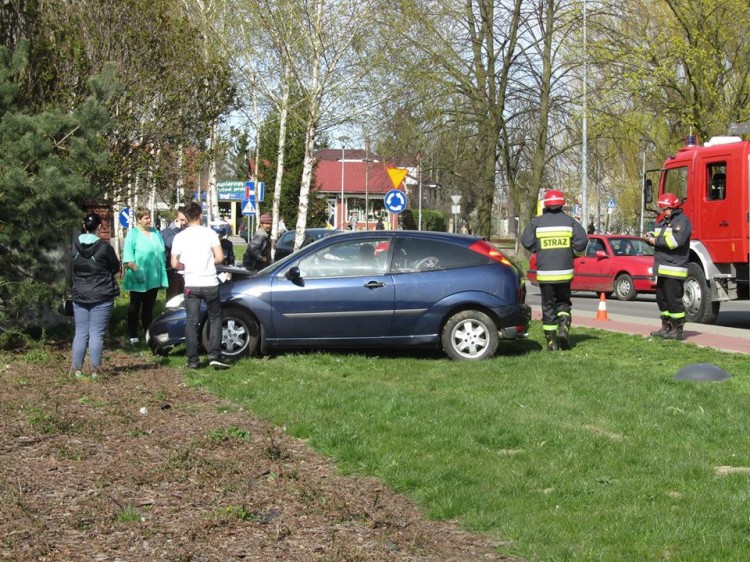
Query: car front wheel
(239, 335)
(470, 335)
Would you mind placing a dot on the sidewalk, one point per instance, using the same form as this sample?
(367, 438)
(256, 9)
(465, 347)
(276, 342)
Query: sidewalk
(703, 335)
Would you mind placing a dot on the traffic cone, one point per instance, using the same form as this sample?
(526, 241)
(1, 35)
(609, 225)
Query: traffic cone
(601, 312)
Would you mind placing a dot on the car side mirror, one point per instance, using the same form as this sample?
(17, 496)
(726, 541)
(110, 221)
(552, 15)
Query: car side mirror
(293, 274)
(601, 254)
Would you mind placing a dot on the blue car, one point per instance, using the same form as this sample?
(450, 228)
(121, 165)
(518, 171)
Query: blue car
(380, 289)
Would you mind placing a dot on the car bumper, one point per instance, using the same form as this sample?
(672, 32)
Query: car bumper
(167, 330)
(513, 320)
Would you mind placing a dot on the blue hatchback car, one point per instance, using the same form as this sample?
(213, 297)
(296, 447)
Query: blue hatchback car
(379, 289)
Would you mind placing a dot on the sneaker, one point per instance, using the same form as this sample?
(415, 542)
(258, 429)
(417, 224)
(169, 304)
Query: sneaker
(191, 365)
(216, 364)
(94, 376)
(80, 375)
(134, 341)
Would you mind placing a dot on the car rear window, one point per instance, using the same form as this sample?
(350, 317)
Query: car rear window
(417, 254)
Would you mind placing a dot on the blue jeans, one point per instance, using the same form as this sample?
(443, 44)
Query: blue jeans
(91, 321)
(193, 298)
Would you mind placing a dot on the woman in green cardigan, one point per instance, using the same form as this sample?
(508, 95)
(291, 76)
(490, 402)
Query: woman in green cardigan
(145, 271)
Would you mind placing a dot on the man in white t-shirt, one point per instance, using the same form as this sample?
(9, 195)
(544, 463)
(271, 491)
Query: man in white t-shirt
(196, 251)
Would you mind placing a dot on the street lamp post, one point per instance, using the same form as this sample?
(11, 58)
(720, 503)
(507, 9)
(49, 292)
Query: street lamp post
(367, 161)
(343, 140)
(584, 148)
(643, 186)
(419, 182)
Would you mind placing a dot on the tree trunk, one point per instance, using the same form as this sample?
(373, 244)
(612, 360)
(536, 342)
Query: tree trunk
(283, 113)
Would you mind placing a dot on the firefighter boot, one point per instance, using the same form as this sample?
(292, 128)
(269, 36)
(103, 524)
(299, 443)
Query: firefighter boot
(666, 327)
(676, 332)
(563, 333)
(551, 338)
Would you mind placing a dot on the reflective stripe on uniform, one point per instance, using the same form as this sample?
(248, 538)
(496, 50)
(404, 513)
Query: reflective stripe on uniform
(672, 271)
(669, 238)
(554, 237)
(554, 275)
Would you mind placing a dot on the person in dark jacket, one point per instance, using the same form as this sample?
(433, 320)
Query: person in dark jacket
(258, 252)
(557, 239)
(671, 242)
(227, 246)
(94, 290)
(176, 278)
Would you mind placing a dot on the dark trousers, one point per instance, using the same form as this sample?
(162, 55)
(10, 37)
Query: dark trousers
(176, 283)
(669, 293)
(555, 301)
(143, 304)
(193, 298)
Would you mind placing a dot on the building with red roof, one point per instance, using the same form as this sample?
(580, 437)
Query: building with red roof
(363, 180)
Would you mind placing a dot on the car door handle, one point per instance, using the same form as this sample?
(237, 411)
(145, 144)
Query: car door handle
(723, 223)
(374, 284)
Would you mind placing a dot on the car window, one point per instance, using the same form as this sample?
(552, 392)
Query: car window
(594, 246)
(416, 254)
(287, 238)
(350, 258)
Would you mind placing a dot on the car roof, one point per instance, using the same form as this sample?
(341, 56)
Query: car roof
(463, 239)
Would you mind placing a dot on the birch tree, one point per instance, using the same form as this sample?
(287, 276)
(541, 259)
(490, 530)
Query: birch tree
(322, 46)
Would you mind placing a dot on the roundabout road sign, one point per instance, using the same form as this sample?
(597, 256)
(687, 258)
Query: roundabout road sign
(395, 201)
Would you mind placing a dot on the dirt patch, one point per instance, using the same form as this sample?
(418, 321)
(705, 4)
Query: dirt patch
(138, 466)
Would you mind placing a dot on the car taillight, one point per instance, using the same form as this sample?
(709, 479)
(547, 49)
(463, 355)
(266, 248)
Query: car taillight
(486, 249)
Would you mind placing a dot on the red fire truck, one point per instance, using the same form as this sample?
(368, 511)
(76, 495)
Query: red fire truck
(713, 181)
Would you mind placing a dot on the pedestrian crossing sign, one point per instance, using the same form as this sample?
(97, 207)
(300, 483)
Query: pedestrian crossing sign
(249, 207)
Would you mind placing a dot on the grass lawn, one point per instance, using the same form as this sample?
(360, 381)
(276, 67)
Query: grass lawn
(592, 454)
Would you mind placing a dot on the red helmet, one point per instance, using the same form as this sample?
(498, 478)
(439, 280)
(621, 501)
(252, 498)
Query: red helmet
(554, 198)
(668, 201)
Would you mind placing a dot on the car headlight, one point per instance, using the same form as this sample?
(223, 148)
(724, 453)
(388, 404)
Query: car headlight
(175, 302)
(162, 338)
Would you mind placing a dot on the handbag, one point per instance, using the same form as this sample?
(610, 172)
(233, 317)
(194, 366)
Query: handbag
(65, 307)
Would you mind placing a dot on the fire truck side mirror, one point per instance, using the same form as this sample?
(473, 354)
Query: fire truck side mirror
(648, 191)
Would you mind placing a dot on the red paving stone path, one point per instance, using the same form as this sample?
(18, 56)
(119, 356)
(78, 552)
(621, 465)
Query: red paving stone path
(718, 337)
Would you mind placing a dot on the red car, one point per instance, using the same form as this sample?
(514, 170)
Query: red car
(613, 264)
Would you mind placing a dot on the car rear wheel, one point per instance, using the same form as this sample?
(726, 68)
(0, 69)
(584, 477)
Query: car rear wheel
(624, 288)
(240, 333)
(470, 335)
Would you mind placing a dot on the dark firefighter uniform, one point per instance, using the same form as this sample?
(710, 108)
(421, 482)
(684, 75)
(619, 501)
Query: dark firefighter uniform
(556, 239)
(671, 241)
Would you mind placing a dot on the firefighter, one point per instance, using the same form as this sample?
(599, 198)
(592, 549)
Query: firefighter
(557, 239)
(671, 242)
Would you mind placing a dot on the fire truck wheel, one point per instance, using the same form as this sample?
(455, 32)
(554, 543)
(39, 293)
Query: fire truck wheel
(697, 297)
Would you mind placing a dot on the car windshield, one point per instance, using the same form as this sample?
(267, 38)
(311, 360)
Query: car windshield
(631, 247)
